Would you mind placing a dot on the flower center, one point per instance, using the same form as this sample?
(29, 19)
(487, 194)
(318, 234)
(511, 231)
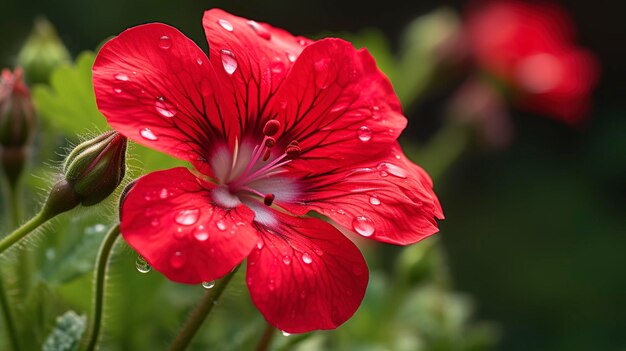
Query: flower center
(250, 174)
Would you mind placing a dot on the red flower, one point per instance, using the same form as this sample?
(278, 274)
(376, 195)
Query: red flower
(531, 47)
(275, 126)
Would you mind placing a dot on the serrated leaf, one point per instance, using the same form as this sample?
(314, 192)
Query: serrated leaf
(69, 103)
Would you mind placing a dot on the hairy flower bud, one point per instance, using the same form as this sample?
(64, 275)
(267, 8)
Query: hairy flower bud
(42, 52)
(17, 122)
(96, 167)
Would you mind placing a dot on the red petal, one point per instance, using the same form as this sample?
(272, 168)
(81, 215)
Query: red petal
(251, 60)
(305, 275)
(169, 218)
(337, 105)
(388, 199)
(155, 86)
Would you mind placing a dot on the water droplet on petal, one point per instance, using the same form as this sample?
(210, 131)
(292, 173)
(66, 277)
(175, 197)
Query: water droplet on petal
(117, 90)
(260, 30)
(163, 194)
(200, 233)
(208, 285)
(121, 76)
(363, 225)
(155, 222)
(374, 201)
(165, 42)
(319, 252)
(147, 134)
(306, 258)
(259, 244)
(277, 66)
(199, 61)
(285, 333)
(229, 61)
(376, 113)
(187, 217)
(302, 42)
(364, 133)
(286, 260)
(164, 108)
(142, 265)
(291, 57)
(392, 169)
(225, 24)
(221, 225)
(178, 259)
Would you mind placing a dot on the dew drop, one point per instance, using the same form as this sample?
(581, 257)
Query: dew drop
(306, 258)
(228, 61)
(319, 252)
(221, 225)
(200, 233)
(363, 225)
(225, 24)
(117, 90)
(291, 57)
(199, 61)
(392, 169)
(364, 134)
(163, 194)
(259, 244)
(374, 201)
(178, 259)
(277, 66)
(155, 222)
(187, 217)
(179, 234)
(285, 333)
(302, 42)
(208, 285)
(286, 260)
(121, 76)
(376, 113)
(260, 30)
(165, 42)
(147, 134)
(142, 265)
(164, 108)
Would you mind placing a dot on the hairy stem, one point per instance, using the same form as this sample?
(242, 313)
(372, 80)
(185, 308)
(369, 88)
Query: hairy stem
(25, 229)
(199, 314)
(266, 338)
(100, 273)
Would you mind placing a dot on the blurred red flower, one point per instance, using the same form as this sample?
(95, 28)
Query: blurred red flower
(530, 46)
(275, 126)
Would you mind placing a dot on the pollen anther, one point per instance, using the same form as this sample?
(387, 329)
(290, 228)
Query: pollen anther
(268, 199)
(271, 127)
(270, 142)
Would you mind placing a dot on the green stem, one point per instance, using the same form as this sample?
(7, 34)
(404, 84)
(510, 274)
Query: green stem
(266, 338)
(15, 205)
(39, 219)
(199, 314)
(102, 263)
(445, 148)
(8, 318)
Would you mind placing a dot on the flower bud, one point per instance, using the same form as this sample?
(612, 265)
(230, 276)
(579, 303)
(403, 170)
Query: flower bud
(96, 167)
(17, 122)
(42, 52)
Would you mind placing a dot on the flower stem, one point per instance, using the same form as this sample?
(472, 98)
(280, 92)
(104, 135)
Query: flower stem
(266, 338)
(22, 231)
(199, 314)
(8, 318)
(102, 263)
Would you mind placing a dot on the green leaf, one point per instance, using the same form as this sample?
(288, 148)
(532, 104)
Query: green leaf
(67, 333)
(69, 103)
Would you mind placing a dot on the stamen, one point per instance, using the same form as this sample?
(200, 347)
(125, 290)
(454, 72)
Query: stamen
(268, 199)
(267, 154)
(293, 151)
(270, 142)
(271, 127)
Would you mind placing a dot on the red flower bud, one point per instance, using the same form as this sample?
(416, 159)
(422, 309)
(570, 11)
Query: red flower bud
(96, 167)
(17, 122)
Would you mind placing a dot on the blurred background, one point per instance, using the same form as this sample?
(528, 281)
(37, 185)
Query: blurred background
(535, 229)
